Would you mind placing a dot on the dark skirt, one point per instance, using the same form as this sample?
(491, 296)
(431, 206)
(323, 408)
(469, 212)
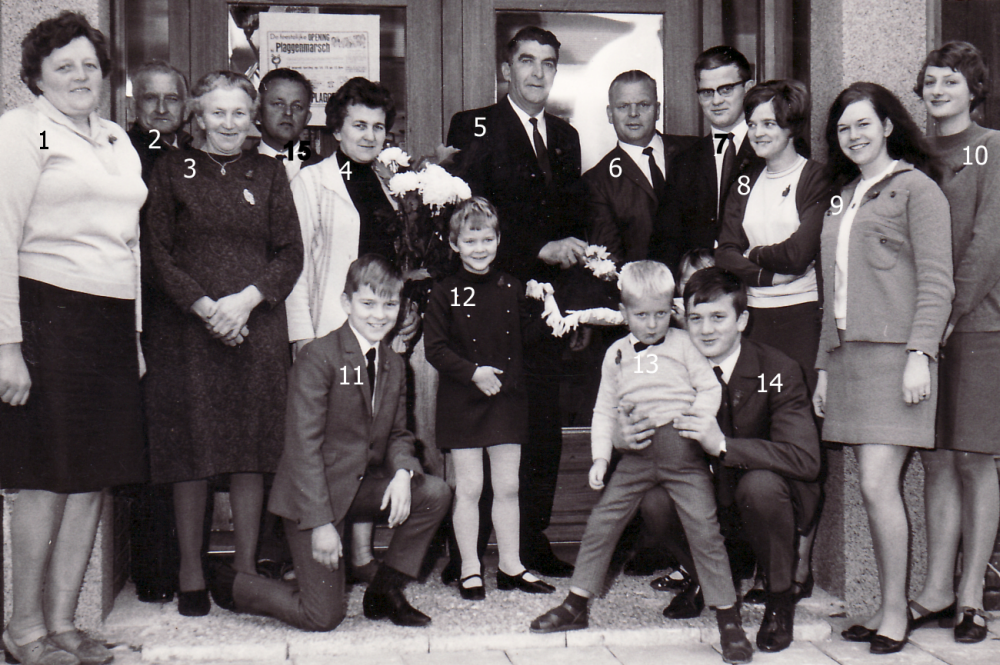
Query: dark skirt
(968, 418)
(864, 398)
(81, 430)
(793, 330)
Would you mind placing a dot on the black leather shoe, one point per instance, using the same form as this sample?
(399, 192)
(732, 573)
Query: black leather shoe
(560, 618)
(477, 592)
(882, 645)
(668, 583)
(507, 582)
(736, 647)
(776, 630)
(193, 603)
(392, 605)
(153, 594)
(687, 604)
(549, 565)
(220, 582)
(858, 633)
(755, 597)
(967, 631)
(919, 615)
(362, 574)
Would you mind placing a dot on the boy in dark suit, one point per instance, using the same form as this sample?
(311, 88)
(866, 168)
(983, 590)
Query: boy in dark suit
(348, 456)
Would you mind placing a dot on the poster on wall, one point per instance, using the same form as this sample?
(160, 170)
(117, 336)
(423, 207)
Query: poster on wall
(328, 49)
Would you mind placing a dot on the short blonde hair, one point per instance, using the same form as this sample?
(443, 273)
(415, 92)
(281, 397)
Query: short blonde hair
(475, 213)
(645, 278)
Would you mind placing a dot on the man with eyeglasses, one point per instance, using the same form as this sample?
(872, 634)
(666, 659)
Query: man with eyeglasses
(702, 175)
(628, 186)
(285, 96)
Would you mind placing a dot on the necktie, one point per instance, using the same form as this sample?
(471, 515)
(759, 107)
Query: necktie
(728, 162)
(726, 407)
(655, 174)
(370, 357)
(540, 152)
(725, 477)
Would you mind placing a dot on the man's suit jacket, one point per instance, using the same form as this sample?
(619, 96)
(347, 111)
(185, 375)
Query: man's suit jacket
(334, 437)
(772, 430)
(621, 210)
(501, 165)
(691, 216)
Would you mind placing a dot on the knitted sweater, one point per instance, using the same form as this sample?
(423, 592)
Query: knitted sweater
(69, 212)
(666, 380)
(973, 192)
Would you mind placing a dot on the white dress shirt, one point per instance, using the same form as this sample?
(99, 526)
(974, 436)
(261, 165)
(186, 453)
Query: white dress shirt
(366, 346)
(642, 161)
(525, 119)
(739, 134)
(292, 166)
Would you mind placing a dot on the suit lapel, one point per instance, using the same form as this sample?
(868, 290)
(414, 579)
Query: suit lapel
(356, 363)
(634, 174)
(382, 377)
(706, 164)
(518, 142)
(744, 381)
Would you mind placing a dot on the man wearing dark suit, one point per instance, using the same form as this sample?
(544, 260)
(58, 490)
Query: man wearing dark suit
(159, 92)
(527, 163)
(764, 446)
(347, 456)
(285, 96)
(701, 175)
(627, 187)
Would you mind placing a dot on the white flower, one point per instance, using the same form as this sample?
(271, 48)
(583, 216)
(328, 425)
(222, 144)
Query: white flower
(401, 183)
(394, 158)
(536, 290)
(597, 251)
(439, 188)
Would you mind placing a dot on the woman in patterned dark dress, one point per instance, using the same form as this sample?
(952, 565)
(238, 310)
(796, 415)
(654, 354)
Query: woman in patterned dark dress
(224, 249)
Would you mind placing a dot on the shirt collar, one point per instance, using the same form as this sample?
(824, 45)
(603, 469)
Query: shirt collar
(99, 132)
(525, 118)
(729, 364)
(635, 151)
(739, 134)
(266, 150)
(364, 343)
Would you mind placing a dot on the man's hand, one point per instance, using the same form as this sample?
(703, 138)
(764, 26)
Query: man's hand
(486, 380)
(565, 253)
(636, 426)
(326, 546)
(597, 471)
(397, 498)
(703, 429)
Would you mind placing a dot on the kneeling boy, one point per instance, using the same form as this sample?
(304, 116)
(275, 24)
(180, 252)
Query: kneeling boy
(348, 456)
(658, 369)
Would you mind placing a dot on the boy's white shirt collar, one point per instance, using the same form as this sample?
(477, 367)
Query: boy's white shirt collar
(729, 364)
(364, 343)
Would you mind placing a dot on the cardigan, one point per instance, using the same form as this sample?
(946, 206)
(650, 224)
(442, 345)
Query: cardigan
(331, 231)
(900, 285)
(69, 212)
(973, 191)
(790, 257)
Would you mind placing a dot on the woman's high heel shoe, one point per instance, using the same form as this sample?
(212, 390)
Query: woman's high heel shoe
(967, 631)
(87, 650)
(920, 615)
(40, 652)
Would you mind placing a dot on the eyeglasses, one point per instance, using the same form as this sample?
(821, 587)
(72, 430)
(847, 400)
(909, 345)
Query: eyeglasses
(725, 91)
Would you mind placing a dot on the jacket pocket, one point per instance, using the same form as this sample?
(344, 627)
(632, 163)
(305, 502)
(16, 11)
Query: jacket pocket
(890, 203)
(882, 249)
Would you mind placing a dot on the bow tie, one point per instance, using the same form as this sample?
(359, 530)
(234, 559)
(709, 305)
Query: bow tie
(642, 346)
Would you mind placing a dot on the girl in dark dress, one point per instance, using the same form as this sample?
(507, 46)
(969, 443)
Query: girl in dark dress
(224, 250)
(473, 334)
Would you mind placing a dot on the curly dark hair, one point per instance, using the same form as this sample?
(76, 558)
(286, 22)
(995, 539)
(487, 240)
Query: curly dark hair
(55, 33)
(964, 58)
(790, 99)
(361, 91)
(905, 142)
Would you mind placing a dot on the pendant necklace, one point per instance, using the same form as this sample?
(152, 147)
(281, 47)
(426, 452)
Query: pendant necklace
(223, 165)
